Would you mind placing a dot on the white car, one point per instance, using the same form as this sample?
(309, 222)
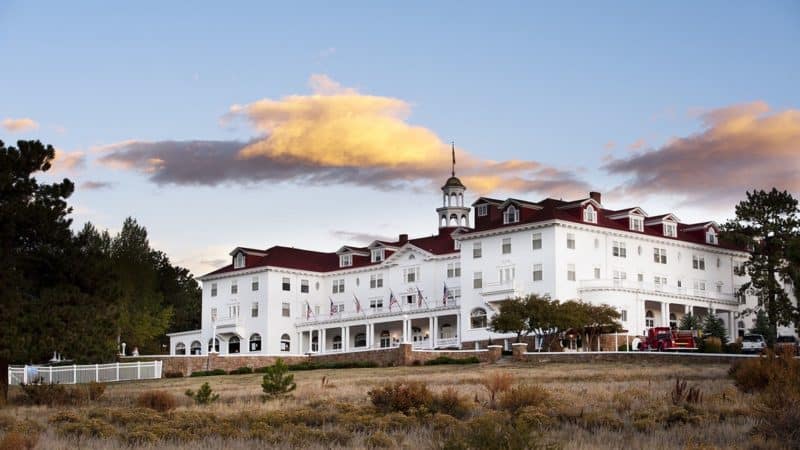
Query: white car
(753, 343)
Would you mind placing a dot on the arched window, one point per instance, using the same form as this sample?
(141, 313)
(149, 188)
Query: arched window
(386, 340)
(649, 321)
(477, 318)
(464, 221)
(361, 340)
(453, 200)
(285, 342)
(180, 348)
(216, 345)
(443, 222)
(453, 220)
(196, 348)
(337, 342)
(255, 343)
(511, 215)
(673, 321)
(589, 214)
(233, 345)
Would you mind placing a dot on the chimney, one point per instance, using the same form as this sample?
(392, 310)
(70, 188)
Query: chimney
(403, 238)
(596, 196)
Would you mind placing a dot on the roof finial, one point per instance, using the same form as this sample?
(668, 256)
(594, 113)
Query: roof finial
(453, 148)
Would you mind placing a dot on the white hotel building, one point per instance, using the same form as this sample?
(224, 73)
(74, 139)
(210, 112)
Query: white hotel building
(654, 269)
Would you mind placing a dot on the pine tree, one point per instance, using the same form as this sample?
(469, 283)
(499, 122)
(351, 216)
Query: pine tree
(689, 322)
(713, 326)
(277, 381)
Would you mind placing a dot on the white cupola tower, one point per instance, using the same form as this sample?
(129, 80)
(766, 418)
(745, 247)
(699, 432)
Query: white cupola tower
(453, 213)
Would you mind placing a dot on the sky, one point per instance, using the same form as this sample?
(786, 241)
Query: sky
(319, 124)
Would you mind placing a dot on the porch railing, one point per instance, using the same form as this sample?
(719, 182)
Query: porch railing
(100, 373)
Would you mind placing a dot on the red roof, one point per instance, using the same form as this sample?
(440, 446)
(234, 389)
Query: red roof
(296, 258)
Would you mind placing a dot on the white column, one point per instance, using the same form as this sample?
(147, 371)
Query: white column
(664, 314)
(322, 340)
(430, 332)
(435, 331)
(458, 327)
(405, 330)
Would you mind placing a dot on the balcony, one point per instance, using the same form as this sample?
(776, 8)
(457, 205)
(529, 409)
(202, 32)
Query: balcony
(656, 289)
(368, 313)
(228, 325)
(500, 290)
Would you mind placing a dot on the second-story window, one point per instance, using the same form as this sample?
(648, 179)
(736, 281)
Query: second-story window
(536, 241)
(477, 250)
(254, 284)
(698, 262)
(376, 281)
(659, 282)
(234, 287)
(254, 310)
(213, 289)
(453, 270)
(660, 255)
(570, 241)
(619, 249)
(304, 286)
(511, 215)
(570, 272)
(286, 284)
(338, 286)
(507, 274)
(286, 309)
(477, 280)
(411, 274)
(506, 247)
(537, 272)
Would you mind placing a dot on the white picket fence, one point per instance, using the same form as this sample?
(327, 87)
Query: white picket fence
(101, 373)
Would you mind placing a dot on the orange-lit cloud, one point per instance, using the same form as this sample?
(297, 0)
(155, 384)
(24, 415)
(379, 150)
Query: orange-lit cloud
(336, 135)
(68, 161)
(742, 147)
(19, 125)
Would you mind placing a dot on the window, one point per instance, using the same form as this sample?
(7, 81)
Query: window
(233, 310)
(454, 293)
(254, 310)
(360, 340)
(477, 251)
(640, 277)
(213, 289)
(386, 340)
(286, 309)
(213, 314)
(286, 342)
(596, 273)
(337, 342)
(536, 242)
(216, 345)
(376, 281)
(589, 214)
(506, 246)
(619, 277)
(338, 308)
(286, 285)
(377, 254)
(338, 286)
(507, 274)
(255, 343)
(233, 345)
(699, 285)
(537, 272)
(660, 255)
(411, 274)
(254, 284)
(345, 260)
(738, 269)
(454, 270)
(304, 286)
(637, 223)
(511, 215)
(410, 299)
(235, 287)
(670, 230)
(180, 348)
(477, 318)
(659, 282)
(698, 262)
(477, 280)
(482, 210)
(376, 304)
(570, 272)
(570, 241)
(238, 261)
(623, 315)
(196, 348)
(740, 297)
(680, 283)
(649, 320)
(719, 262)
(316, 310)
(711, 237)
(618, 249)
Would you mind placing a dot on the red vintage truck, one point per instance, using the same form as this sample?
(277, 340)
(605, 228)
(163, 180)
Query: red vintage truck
(665, 339)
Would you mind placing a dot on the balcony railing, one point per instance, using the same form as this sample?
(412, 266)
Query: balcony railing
(385, 311)
(644, 287)
(507, 287)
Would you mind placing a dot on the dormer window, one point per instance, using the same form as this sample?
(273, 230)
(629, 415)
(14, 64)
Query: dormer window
(377, 254)
(511, 215)
(670, 229)
(482, 210)
(637, 223)
(589, 214)
(345, 260)
(711, 237)
(238, 261)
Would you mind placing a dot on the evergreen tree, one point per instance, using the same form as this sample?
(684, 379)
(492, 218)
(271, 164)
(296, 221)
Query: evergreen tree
(689, 322)
(713, 326)
(762, 327)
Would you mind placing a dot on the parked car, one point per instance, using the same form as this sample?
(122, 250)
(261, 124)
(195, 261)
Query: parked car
(753, 343)
(784, 342)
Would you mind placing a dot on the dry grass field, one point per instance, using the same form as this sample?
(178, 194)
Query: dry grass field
(571, 406)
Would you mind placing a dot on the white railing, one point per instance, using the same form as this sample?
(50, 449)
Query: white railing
(656, 288)
(370, 313)
(500, 287)
(100, 373)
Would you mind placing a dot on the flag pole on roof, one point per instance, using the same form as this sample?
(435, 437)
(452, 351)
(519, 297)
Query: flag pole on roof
(453, 149)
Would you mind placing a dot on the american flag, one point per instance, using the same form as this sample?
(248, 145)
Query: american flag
(420, 298)
(308, 310)
(334, 310)
(393, 300)
(445, 295)
(358, 304)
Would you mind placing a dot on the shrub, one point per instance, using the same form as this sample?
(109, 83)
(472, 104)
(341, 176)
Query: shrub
(401, 397)
(755, 374)
(313, 365)
(50, 394)
(157, 400)
(14, 440)
(681, 394)
(208, 373)
(451, 403)
(448, 360)
(94, 391)
(496, 431)
(90, 428)
(379, 439)
(712, 345)
(496, 382)
(241, 371)
(204, 396)
(173, 374)
(523, 396)
(277, 381)
(622, 348)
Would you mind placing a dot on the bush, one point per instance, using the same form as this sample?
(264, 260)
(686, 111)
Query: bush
(712, 345)
(448, 360)
(208, 373)
(755, 374)
(94, 391)
(49, 394)
(312, 365)
(173, 374)
(401, 397)
(522, 396)
(276, 381)
(157, 400)
(451, 403)
(204, 396)
(682, 394)
(496, 382)
(241, 371)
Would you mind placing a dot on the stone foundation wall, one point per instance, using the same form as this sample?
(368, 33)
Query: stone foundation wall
(625, 357)
(383, 357)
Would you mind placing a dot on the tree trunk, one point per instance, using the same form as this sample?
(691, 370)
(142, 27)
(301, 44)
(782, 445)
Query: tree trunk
(3, 381)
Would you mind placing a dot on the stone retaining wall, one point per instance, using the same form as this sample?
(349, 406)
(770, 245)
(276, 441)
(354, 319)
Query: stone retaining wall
(521, 354)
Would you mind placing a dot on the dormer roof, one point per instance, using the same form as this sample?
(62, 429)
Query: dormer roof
(623, 213)
(701, 226)
(655, 220)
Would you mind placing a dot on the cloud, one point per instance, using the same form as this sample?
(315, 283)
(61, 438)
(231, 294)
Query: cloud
(96, 185)
(355, 236)
(336, 135)
(637, 145)
(741, 147)
(68, 161)
(19, 125)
